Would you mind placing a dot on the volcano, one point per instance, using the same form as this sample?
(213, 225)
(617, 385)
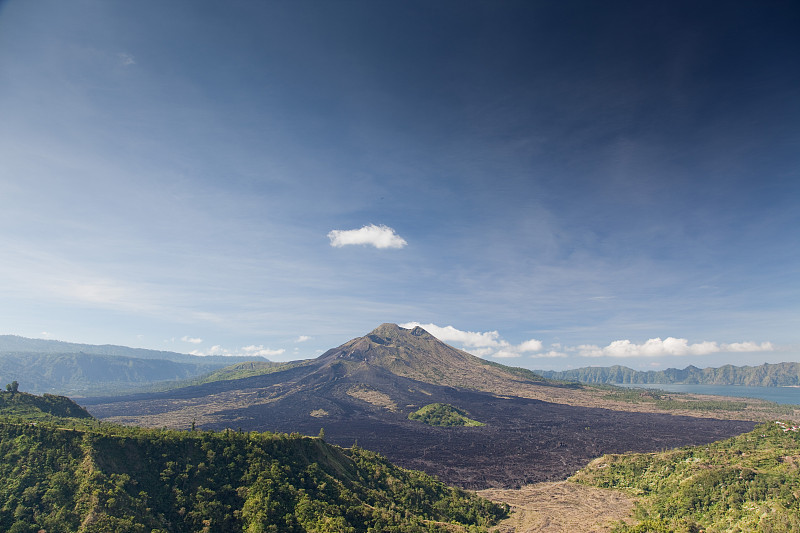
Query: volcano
(363, 391)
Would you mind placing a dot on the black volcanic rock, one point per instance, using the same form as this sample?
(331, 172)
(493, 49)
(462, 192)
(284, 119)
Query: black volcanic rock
(364, 390)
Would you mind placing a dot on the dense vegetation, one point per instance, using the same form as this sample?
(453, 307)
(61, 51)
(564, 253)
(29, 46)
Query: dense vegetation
(38, 408)
(747, 483)
(79, 475)
(766, 375)
(444, 415)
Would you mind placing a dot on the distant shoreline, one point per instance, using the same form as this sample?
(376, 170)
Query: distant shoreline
(782, 394)
(651, 385)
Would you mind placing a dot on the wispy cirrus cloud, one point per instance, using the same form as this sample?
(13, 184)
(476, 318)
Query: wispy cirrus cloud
(550, 354)
(370, 235)
(126, 59)
(245, 351)
(261, 351)
(670, 346)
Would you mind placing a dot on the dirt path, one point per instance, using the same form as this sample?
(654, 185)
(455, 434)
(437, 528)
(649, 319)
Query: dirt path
(560, 507)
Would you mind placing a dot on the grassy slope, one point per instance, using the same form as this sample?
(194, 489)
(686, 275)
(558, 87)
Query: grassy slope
(92, 477)
(747, 483)
(246, 370)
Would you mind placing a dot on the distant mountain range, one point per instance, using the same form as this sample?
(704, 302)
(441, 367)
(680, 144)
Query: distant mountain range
(78, 369)
(364, 391)
(766, 375)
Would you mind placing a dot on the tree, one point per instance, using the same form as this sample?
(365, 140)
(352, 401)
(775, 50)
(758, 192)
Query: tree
(13, 387)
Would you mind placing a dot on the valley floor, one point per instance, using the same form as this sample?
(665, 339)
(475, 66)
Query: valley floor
(560, 507)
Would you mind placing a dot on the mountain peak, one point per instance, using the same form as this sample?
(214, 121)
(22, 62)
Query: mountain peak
(387, 340)
(386, 328)
(416, 354)
(392, 331)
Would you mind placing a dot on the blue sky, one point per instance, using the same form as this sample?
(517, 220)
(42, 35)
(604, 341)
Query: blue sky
(550, 184)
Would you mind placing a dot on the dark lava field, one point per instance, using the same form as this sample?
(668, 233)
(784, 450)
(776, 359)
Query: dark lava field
(524, 440)
(363, 391)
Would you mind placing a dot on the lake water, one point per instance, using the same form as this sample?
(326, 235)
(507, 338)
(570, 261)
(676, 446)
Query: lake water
(772, 394)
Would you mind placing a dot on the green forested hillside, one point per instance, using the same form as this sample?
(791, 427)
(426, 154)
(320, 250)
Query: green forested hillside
(444, 415)
(38, 408)
(747, 483)
(766, 375)
(75, 475)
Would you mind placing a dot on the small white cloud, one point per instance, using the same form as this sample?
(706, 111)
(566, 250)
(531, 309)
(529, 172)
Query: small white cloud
(261, 351)
(549, 355)
(748, 347)
(482, 344)
(472, 339)
(371, 235)
(302, 338)
(193, 340)
(532, 345)
(590, 350)
(247, 351)
(670, 346)
(505, 354)
(45, 334)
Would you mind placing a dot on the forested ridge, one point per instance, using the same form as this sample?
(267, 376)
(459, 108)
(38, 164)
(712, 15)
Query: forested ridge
(86, 369)
(80, 475)
(34, 408)
(747, 483)
(765, 375)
